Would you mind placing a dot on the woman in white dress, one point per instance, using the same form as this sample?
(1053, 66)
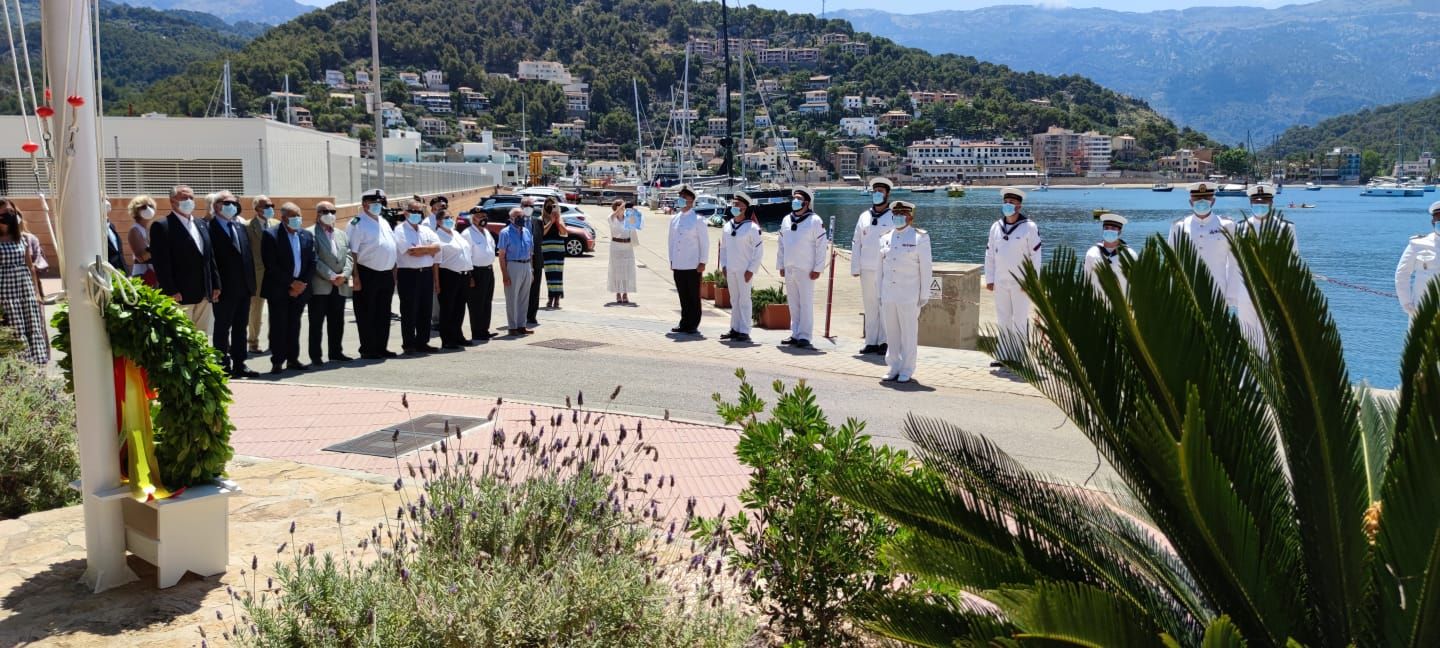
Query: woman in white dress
(622, 254)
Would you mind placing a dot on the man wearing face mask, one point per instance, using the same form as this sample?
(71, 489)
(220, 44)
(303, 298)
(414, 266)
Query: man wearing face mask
(417, 277)
(289, 253)
(455, 265)
(1262, 211)
(801, 257)
(330, 285)
(237, 273)
(689, 248)
(536, 225)
(741, 248)
(872, 224)
(1013, 240)
(1108, 251)
(372, 245)
(905, 276)
(1206, 232)
(184, 260)
(1419, 265)
(515, 247)
(263, 219)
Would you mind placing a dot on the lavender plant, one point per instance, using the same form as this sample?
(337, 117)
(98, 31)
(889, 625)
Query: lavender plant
(553, 535)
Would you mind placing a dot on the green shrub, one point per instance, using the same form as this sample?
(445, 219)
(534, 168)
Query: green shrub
(763, 297)
(38, 458)
(808, 554)
(575, 554)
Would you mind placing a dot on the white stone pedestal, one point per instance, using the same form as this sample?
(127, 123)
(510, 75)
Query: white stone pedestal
(190, 532)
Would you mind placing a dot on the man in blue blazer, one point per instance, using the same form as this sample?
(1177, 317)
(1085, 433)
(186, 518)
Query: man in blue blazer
(289, 255)
(237, 274)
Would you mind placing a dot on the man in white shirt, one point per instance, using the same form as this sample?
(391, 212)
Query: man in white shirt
(372, 244)
(184, 260)
(289, 253)
(454, 268)
(1013, 240)
(481, 295)
(905, 277)
(689, 250)
(417, 277)
(873, 223)
(1108, 252)
(1206, 232)
(741, 249)
(1419, 266)
(800, 257)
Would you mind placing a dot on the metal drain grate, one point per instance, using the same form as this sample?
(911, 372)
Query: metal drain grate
(414, 434)
(568, 344)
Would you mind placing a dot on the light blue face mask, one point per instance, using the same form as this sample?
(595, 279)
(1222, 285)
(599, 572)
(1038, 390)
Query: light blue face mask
(877, 198)
(448, 223)
(270, 212)
(681, 203)
(734, 211)
(374, 210)
(229, 210)
(797, 205)
(1202, 207)
(1436, 226)
(186, 206)
(415, 218)
(1110, 235)
(295, 222)
(1008, 209)
(1260, 210)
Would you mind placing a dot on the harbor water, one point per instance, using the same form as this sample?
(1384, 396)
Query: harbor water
(1346, 237)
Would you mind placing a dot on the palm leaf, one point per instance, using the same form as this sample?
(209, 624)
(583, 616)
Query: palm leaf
(1377, 427)
(1406, 572)
(929, 620)
(1073, 614)
(1316, 415)
(1221, 633)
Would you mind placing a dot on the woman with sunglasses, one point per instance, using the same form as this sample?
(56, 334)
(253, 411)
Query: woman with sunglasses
(741, 248)
(20, 291)
(905, 277)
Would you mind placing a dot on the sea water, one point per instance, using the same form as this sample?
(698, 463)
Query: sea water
(1354, 239)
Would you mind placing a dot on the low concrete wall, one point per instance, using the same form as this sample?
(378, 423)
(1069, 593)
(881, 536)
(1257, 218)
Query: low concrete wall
(951, 319)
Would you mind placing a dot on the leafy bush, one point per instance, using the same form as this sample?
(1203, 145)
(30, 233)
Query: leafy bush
(550, 538)
(38, 459)
(810, 553)
(763, 297)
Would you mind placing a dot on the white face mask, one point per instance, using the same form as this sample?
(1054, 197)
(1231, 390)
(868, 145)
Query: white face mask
(186, 206)
(147, 213)
(328, 219)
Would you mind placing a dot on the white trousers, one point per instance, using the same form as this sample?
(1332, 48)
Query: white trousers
(1012, 308)
(202, 315)
(870, 294)
(902, 322)
(741, 316)
(1249, 319)
(800, 292)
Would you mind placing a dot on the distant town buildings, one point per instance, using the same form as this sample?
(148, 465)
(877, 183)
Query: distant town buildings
(1060, 151)
(435, 102)
(577, 92)
(1190, 164)
(895, 119)
(845, 162)
(299, 116)
(473, 101)
(433, 126)
(410, 79)
(602, 151)
(335, 78)
(950, 159)
(716, 126)
(1415, 168)
(852, 103)
(435, 80)
(573, 129)
(859, 127)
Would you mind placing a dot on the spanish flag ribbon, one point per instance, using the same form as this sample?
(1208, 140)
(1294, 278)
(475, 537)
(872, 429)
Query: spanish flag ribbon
(137, 438)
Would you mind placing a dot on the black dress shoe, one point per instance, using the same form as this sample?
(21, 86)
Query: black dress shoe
(389, 354)
(428, 348)
(297, 366)
(788, 341)
(803, 344)
(730, 335)
(452, 347)
(996, 364)
(244, 373)
(482, 337)
(867, 349)
(276, 369)
(371, 356)
(740, 337)
(882, 349)
(678, 329)
(316, 362)
(340, 357)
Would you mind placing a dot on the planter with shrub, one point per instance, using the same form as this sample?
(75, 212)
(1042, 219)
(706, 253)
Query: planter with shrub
(722, 291)
(770, 308)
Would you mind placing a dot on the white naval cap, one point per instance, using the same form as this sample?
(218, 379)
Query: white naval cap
(685, 189)
(1202, 189)
(805, 191)
(743, 197)
(374, 194)
(1435, 207)
(902, 205)
(1012, 192)
(881, 181)
(1261, 190)
(1117, 219)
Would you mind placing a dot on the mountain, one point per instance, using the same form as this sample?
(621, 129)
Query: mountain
(1414, 124)
(607, 43)
(1226, 71)
(265, 12)
(130, 38)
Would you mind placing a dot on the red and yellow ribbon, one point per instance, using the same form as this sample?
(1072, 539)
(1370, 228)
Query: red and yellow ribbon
(137, 438)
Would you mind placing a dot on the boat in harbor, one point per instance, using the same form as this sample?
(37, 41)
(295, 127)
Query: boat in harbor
(1310, 186)
(1391, 189)
(923, 190)
(955, 191)
(1231, 191)
(1162, 187)
(1097, 213)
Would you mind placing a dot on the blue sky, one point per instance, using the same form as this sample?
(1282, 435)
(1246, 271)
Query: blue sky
(921, 6)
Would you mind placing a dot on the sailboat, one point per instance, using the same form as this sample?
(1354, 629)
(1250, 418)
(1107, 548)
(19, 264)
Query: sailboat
(770, 200)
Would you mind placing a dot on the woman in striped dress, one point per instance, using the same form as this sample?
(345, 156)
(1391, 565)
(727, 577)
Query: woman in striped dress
(20, 288)
(552, 250)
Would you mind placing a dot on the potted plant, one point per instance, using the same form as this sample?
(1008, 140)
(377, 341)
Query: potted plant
(770, 308)
(707, 285)
(722, 291)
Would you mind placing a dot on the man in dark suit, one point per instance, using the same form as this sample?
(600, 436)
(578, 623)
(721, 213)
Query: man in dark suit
(115, 249)
(289, 253)
(537, 263)
(237, 274)
(184, 261)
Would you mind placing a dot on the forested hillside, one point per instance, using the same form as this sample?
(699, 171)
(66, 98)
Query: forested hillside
(1415, 125)
(608, 43)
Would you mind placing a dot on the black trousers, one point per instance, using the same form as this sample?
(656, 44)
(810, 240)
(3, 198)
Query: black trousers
(453, 288)
(479, 298)
(537, 282)
(327, 318)
(687, 283)
(285, 315)
(372, 309)
(232, 323)
(416, 287)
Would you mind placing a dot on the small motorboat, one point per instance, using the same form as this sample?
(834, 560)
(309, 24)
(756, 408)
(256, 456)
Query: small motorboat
(1231, 191)
(955, 191)
(1162, 187)
(1096, 213)
(923, 190)
(1310, 186)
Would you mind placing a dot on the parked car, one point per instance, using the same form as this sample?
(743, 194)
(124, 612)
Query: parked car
(581, 237)
(541, 193)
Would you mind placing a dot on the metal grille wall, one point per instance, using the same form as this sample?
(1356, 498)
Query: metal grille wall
(133, 176)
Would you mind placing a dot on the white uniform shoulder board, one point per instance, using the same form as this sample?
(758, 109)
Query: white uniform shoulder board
(1419, 236)
(920, 231)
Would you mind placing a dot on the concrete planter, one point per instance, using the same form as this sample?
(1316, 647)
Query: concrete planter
(707, 290)
(188, 532)
(775, 317)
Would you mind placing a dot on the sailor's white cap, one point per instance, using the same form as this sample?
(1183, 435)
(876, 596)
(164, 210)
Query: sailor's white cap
(373, 194)
(743, 197)
(877, 180)
(685, 189)
(1435, 207)
(902, 204)
(805, 191)
(1117, 219)
(1262, 190)
(1202, 189)
(1012, 192)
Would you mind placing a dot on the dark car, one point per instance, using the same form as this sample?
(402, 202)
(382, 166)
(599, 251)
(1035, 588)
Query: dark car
(581, 237)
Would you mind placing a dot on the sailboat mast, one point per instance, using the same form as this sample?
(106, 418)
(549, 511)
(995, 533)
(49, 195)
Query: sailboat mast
(639, 136)
(227, 89)
(729, 142)
(742, 106)
(685, 116)
(287, 99)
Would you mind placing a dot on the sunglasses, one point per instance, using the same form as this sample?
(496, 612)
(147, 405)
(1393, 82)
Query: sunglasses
(324, 212)
(232, 203)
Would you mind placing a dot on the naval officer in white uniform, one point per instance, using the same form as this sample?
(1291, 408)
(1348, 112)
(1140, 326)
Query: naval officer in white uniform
(1013, 239)
(801, 257)
(741, 248)
(1108, 252)
(1207, 233)
(1419, 266)
(905, 277)
(1262, 211)
(872, 224)
(689, 250)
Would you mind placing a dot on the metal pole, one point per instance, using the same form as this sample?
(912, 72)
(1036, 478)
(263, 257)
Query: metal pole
(378, 96)
(729, 116)
(119, 177)
(830, 290)
(329, 172)
(63, 23)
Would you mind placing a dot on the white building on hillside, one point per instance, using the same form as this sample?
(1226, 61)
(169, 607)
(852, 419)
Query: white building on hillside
(949, 159)
(860, 127)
